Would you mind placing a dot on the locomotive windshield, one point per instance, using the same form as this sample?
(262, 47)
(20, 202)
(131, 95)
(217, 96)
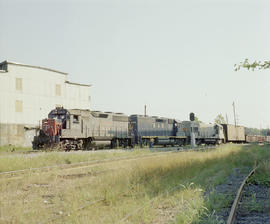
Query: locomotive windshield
(59, 114)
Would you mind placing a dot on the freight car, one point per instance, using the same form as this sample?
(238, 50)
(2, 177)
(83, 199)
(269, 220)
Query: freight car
(83, 129)
(256, 138)
(233, 133)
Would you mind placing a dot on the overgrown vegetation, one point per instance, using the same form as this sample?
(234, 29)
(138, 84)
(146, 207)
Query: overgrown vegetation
(148, 190)
(256, 131)
(13, 161)
(262, 175)
(11, 148)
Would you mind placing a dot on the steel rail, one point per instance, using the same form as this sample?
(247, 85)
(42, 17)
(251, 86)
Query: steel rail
(234, 207)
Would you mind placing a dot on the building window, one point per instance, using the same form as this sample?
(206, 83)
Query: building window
(18, 106)
(19, 84)
(58, 90)
(75, 119)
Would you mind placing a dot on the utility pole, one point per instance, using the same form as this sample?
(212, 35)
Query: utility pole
(192, 134)
(145, 110)
(234, 113)
(227, 119)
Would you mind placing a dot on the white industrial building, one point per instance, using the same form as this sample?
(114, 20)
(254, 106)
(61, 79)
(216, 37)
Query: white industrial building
(28, 93)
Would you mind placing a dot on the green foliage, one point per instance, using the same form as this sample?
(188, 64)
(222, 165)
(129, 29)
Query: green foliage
(262, 175)
(12, 148)
(256, 131)
(217, 201)
(252, 205)
(252, 66)
(68, 161)
(13, 160)
(166, 188)
(220, 119)
(197, 119)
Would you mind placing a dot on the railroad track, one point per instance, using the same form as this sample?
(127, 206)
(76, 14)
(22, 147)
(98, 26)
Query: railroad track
(16, 173)
(232, 216)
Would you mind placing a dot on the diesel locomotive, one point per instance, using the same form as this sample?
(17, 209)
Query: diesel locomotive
(83, 129)
(75, 129)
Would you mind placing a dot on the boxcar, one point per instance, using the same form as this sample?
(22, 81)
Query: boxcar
(256, 138)
(234, 133)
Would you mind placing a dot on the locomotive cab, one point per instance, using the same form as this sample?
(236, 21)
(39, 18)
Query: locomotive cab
(61, 116)
(51, 129)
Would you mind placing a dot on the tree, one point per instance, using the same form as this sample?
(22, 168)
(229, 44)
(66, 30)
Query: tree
(197, 119)
(220, 119)
(253, 66)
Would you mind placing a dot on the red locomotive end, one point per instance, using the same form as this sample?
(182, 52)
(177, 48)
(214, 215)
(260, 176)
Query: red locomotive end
(51, 127)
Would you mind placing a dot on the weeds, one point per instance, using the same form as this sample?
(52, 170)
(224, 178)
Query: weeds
(12, 148)
(9, 162)
(168, 188)
(262, 175)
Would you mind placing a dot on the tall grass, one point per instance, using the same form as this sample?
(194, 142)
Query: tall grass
(11, 148)
(13, 161)
(149, 190)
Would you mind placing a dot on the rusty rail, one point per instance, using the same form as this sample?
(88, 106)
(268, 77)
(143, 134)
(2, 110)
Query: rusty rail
(234, 207)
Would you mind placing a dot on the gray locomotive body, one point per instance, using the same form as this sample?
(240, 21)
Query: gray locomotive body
(155, 130)
(204, 133)
(84, 129)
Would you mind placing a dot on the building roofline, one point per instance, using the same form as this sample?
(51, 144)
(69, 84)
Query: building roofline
(79, 84)
(32, 66)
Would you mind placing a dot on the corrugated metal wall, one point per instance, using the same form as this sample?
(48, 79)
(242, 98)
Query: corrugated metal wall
(28, 94)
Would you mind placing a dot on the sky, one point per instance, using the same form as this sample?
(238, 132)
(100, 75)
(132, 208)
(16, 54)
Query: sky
(175, 56)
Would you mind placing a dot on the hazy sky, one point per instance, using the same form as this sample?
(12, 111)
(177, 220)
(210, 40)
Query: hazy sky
(175, 56)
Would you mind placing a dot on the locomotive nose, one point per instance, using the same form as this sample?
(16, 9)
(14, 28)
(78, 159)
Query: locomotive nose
(50, 127)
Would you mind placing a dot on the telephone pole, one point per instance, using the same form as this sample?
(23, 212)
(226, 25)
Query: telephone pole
(145, 110)
(234, 113)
